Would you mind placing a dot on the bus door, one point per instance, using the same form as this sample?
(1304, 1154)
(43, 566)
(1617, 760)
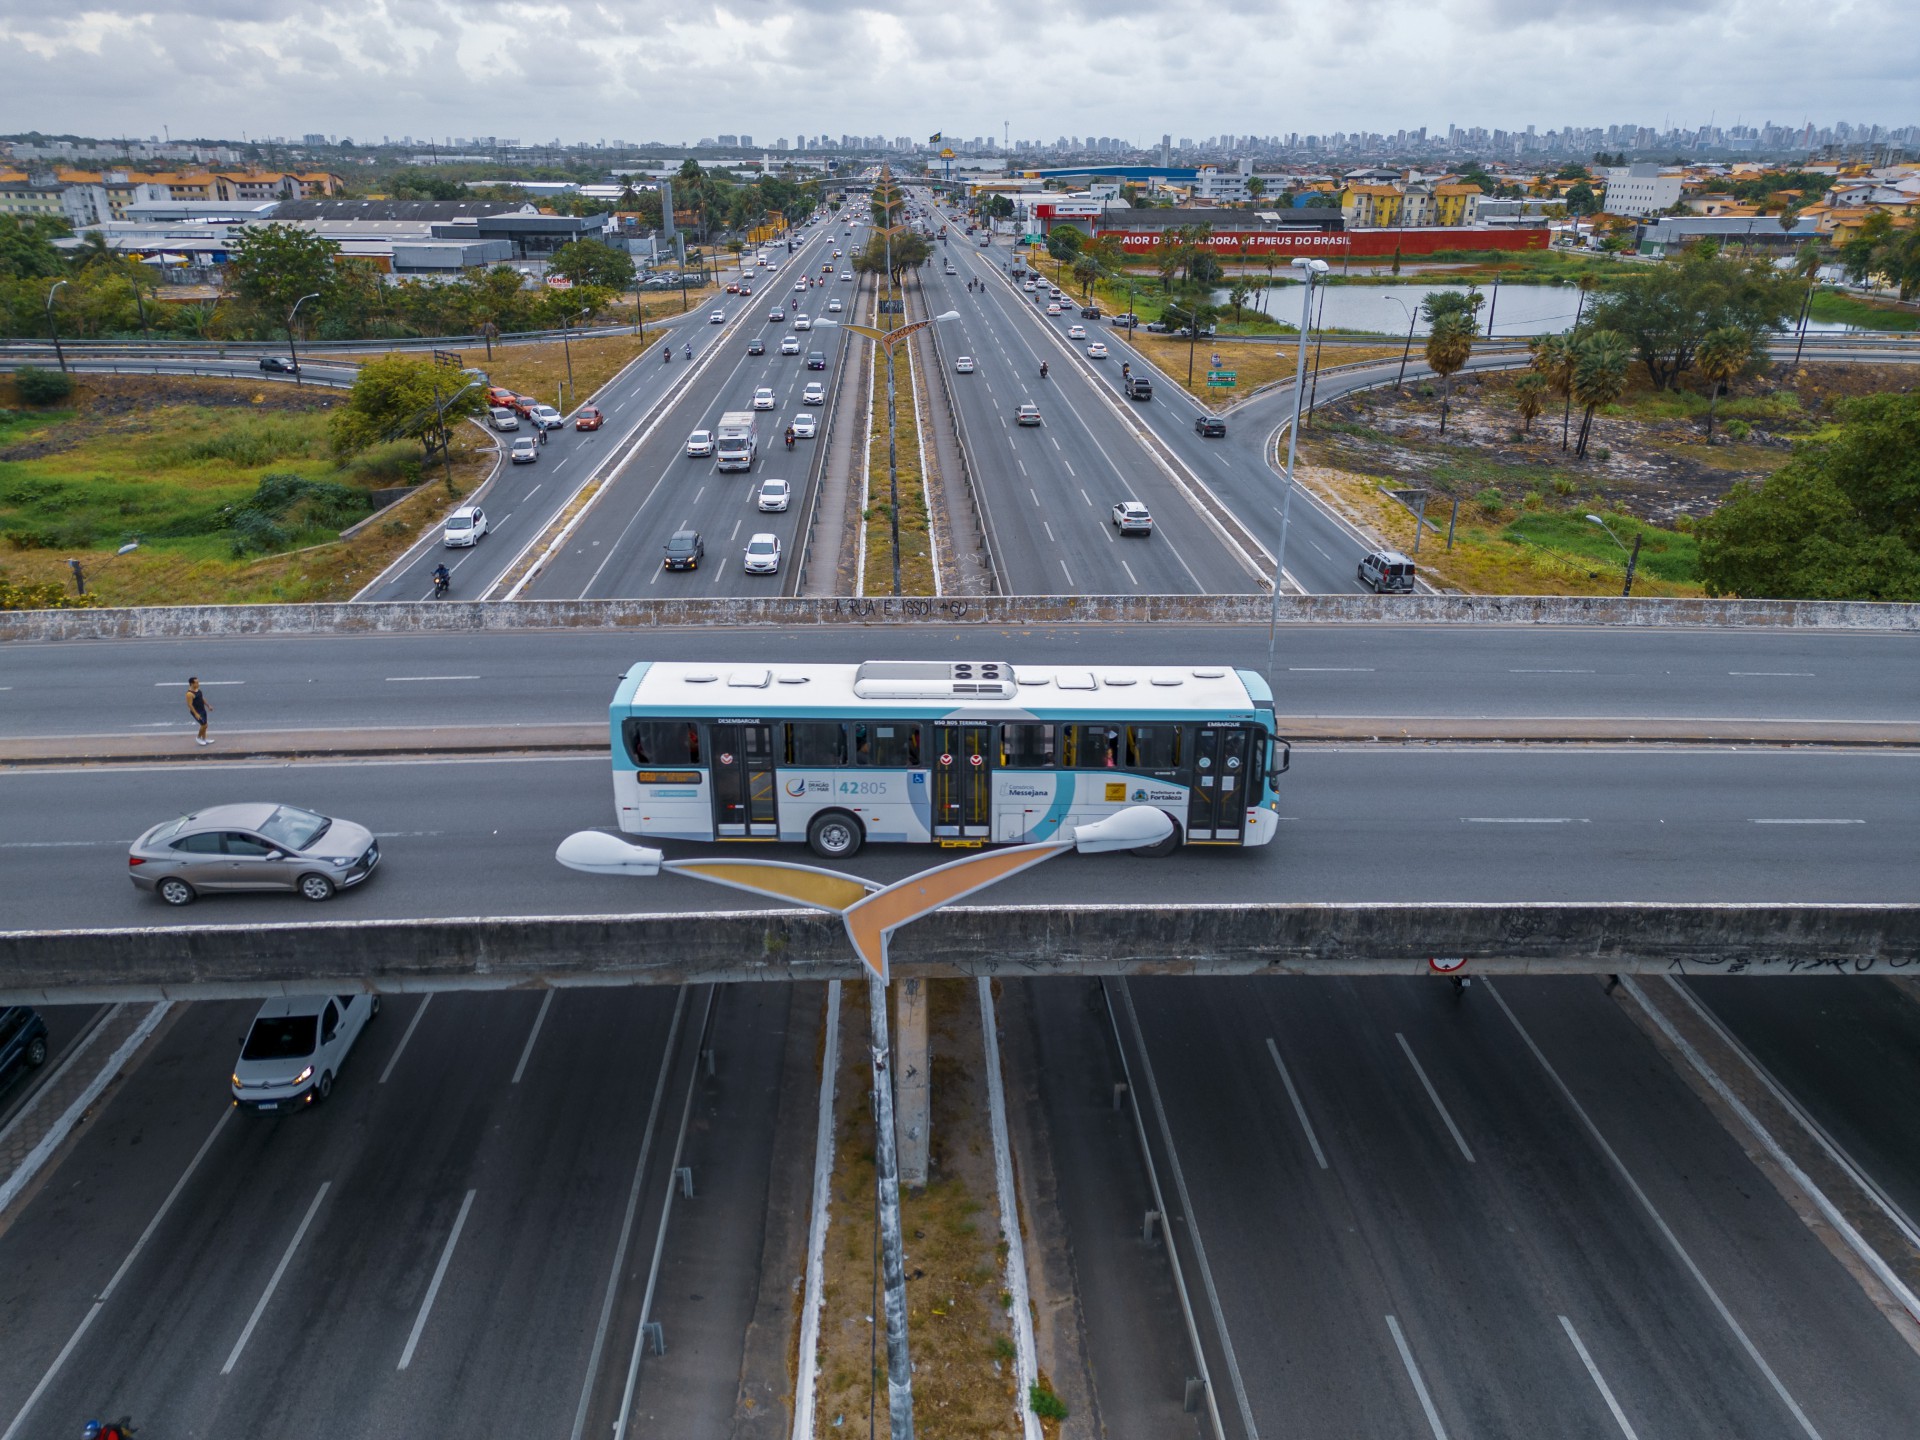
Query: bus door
(743, 793)
(962, 782)
(1217, 803)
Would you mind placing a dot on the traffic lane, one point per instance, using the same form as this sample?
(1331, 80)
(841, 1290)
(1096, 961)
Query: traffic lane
(66, 1025)
(1359, 825)
(506, 678)
(1849, 1055)
(1185, 556)
(1478, 1259)
(550, 1157)
(1057, 475)
(615, 551)
(1827, 1343)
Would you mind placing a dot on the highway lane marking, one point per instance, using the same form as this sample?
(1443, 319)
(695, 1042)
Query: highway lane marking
(440, 1272)
(279, 1272)
(204, 684)
(1049, 529)
(1135, 579)
(1083, 489)
(1544, 671)
(1796, 674)
(1806, 822)
(407, 1034)
(1523, 820)
(1659, 1221)
(526, 1053)
(1298, 1109)
(414, 679)
(1593, 1371)
(1068, 573)
(1036, 498)
(1419, 1385)
(106, 1293)
(1330, 669)
(1434, 1095)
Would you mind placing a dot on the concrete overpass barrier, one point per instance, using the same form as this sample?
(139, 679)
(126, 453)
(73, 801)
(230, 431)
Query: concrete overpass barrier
(541, 952)
(795, 612)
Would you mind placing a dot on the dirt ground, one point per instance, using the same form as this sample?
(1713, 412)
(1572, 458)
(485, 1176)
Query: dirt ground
(1648, 456)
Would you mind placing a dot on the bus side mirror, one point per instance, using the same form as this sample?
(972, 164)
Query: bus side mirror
(1285, 756)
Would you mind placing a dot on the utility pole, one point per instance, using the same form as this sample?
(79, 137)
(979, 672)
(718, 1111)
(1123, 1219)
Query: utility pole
(293, 349)
(54, 326)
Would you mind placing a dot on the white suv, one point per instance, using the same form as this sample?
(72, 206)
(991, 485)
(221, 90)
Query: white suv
(295, 1047)
(464, 526)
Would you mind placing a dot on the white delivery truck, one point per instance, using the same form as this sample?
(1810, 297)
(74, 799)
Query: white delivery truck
(736, 441)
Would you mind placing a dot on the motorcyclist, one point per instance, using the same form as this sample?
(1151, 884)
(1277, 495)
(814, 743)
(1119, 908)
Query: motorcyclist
(442, 579)
(689, 352)
(1126, 370)
(1043, 369)
(666, 354)
(789, 437)
(112, 1430)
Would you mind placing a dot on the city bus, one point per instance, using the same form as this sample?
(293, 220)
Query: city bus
(963, 753)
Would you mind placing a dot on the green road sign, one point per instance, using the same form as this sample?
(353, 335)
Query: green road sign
(1223, 378)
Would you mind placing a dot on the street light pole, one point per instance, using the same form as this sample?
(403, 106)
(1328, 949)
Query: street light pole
(54, 326)
(1308, 269)
(138, 299)
(293, 349)
(1633, 556)
(1399, 381)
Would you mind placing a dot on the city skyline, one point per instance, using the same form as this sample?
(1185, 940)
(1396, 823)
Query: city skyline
(133, 66)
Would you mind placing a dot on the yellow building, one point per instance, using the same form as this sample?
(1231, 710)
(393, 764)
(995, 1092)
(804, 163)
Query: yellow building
(1371, 206)
(19, 195)
(1453, 202)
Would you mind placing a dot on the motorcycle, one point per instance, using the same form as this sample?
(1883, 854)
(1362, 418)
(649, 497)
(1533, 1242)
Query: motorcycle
(1043, 369)
(441, 585)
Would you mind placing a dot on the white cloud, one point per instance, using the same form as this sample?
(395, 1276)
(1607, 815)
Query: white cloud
(544, 68)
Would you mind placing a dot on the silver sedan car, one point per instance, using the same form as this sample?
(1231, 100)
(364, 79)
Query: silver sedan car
(252, 847)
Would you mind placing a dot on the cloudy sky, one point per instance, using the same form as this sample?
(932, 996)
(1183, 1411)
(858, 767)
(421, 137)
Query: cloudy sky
(577, 69)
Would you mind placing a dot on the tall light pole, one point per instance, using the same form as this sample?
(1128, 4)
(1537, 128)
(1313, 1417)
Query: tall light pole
(140, 300)
(54, 326)
(1633, 556)
(1400, 380)
(567, 348)
(293, 349)
(1308, 270)
(871, 913)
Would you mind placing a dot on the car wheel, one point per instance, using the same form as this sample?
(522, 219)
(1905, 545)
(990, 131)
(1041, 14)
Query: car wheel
(37, 1051)
(375, 1009)
(316, 887)
(175, 891)
(325, 1087)
(1164, 847)
(835, 835)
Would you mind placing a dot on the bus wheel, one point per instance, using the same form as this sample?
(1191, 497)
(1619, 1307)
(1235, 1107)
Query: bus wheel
(835, 835)
(1162, 847)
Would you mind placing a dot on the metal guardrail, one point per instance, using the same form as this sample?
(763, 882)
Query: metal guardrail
(255, 348)
(96, 367)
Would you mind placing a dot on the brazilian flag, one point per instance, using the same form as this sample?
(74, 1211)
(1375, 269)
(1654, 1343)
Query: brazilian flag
(934, 139)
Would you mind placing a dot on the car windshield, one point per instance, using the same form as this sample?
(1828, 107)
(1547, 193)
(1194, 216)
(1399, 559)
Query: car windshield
(294, 829)
(680, 542)
(459, 522)
(281, 1037)
(760, 547)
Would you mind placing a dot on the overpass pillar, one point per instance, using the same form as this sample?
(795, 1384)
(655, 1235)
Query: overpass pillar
(912, 1080)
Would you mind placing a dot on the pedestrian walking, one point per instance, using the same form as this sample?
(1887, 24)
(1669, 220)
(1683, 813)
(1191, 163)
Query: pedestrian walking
(197, 708)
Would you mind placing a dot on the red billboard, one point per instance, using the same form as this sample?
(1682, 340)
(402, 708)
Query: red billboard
(1259, 245)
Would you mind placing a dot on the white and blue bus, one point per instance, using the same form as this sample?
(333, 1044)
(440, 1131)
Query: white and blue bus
(946, 753)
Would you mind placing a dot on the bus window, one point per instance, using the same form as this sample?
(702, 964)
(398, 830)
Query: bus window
(895, 746)
(1153, 747)
(1026, 747)
(662, 742)
(816, 745)
(862, 744)
(1090, 747)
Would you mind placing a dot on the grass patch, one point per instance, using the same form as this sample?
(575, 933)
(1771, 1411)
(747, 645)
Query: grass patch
(1779, 407)
(1838, 308)
(1664, 554)
(539, 368)
(1254, 366)
(230, 504)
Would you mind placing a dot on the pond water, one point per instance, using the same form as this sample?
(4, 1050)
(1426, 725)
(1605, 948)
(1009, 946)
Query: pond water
(1520, 310)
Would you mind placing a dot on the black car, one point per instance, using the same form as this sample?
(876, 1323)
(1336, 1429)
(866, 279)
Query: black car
(756, 346)
(684, 550)
(816, 360)
(23, 1040)
(1211, 426)
(279, 364)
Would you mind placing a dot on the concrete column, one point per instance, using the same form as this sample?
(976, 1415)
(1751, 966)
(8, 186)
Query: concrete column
(912, 1080)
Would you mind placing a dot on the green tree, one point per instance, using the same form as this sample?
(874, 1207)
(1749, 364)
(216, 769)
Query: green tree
(1449, 346)
(1086, 270)
(1436, 303)
(1256, 186)
(403, 397)
(1600, 361)
(1580, 200)
(1839, 521)
(1664, 311)
(1529, 395)
(272, 266)
(996, 207)
(1064, 241)
(910, 251)
(42, 387)
(1553, 362)
(26, 247)
(1724, 356)
(1237, 297)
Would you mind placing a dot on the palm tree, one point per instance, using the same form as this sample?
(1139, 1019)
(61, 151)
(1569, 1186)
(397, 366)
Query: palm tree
(1086, 270)
(1449, 344)
(1599, 377)
(1724, 355)
(1529, 393)
(1237, 296)
(1553, 362)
